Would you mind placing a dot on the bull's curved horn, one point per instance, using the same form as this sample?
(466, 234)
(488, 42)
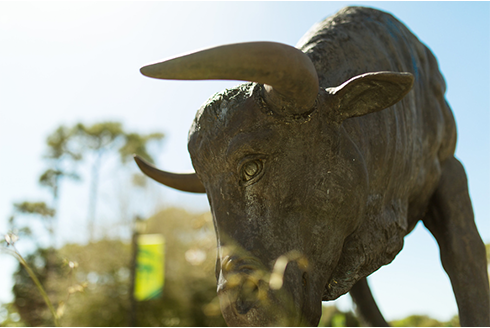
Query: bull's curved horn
(290, 79)
(185, 182)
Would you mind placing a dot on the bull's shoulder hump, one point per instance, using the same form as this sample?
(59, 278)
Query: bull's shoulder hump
(357, 40)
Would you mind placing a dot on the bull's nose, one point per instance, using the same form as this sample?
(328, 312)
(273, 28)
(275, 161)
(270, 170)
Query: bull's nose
(239, 283)
(247, 297)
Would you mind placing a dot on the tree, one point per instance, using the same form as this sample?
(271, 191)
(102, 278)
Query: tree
(27, 300)
(37, 210)
(95, 291)
(65, 148)
(100, 139)
(138, 144)
(62, 158)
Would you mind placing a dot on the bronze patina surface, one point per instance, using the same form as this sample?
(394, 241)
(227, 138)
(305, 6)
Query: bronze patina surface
(319, 166)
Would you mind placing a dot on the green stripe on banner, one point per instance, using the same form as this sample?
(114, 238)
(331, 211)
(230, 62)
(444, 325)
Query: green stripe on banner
(150, 270)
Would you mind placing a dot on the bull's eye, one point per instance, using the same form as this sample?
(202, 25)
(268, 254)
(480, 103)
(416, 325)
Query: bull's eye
(251, 170)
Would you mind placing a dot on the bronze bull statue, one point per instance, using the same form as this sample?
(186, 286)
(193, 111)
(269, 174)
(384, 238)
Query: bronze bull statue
(319, 166)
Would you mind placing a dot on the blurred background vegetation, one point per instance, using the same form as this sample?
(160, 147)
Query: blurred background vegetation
(89, 284)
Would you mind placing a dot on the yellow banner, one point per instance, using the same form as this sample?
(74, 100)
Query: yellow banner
(150, 267)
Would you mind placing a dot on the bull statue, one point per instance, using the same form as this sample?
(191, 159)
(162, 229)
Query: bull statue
(319, 166)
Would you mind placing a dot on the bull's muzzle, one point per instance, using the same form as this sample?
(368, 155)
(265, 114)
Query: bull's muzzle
(247, 299)
(239, 282)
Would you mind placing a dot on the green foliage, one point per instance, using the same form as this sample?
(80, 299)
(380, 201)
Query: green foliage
(333, 317)
(33, 272)
(103, 269)
(189, 296)
(97, 136)
(39, 208)
(89, 284)
(424, 321)
(106, 135)
(61, 156)
(50, 178)
(71, 143)
(136, 144)
(139, 180)
(10, 317)
(68, 145)
(32, 210)
(106, 295)
(59, 144)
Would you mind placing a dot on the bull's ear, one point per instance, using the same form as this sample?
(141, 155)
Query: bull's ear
(370, 92)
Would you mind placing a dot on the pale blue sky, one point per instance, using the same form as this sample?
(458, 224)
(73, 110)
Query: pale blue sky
(62, 62)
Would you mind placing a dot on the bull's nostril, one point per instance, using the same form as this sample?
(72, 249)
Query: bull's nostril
(247, 298)
(243, 306)
(305, 279)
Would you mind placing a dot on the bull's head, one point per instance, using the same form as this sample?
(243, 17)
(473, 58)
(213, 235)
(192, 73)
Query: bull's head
(285, 183)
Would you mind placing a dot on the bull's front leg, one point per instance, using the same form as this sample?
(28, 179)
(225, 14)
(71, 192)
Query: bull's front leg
(450, 219)
(367, 309)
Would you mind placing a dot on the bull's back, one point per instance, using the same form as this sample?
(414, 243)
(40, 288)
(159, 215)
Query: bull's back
(403, 146)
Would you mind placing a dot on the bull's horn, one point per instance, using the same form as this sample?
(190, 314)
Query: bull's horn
(290, 79)
(185, 182)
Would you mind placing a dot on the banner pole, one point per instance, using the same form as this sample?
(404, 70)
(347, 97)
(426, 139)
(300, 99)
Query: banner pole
(132, 267)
